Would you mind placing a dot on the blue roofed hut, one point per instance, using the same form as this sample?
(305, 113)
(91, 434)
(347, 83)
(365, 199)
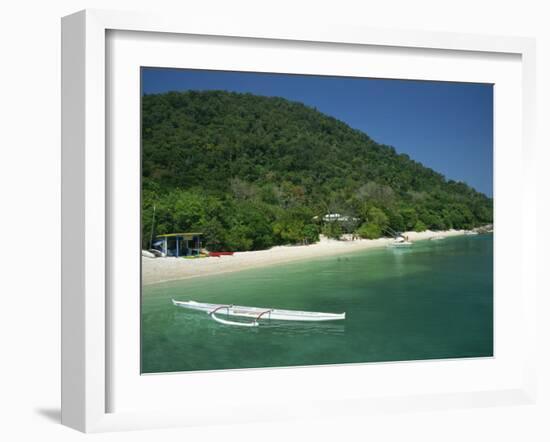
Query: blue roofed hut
(178, 244)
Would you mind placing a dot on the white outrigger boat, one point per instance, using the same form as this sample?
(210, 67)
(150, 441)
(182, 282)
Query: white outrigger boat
(255, 313)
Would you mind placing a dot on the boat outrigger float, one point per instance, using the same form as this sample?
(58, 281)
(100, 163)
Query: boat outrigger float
(255, 313)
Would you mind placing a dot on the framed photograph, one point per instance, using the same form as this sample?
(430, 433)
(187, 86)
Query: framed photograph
(266, 223)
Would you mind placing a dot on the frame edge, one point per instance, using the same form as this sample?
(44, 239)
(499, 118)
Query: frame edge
(73, 80)
(83, 374)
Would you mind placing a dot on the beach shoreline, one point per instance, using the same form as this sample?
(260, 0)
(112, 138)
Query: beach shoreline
(158, 270)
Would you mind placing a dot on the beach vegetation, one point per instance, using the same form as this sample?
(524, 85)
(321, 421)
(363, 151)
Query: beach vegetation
(370, 230)
(295, 226)
(332, 229)
(420, 226)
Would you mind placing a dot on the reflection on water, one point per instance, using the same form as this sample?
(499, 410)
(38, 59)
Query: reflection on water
(433, 300)
(304, 328)
(399, 254)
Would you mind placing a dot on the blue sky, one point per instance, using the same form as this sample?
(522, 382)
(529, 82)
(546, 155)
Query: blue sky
(446, 126)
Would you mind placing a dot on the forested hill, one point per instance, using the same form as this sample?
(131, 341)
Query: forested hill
(252, 172)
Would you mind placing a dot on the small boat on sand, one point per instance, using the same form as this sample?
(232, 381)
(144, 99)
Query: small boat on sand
(255, 313)
(218, 254)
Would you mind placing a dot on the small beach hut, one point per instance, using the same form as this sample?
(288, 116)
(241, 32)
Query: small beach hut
(178, 244)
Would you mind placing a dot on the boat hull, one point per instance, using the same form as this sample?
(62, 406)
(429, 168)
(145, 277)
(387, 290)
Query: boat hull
(259, 312)
(400, 244)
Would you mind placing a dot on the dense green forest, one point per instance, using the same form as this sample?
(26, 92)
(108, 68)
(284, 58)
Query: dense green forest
(251, 172)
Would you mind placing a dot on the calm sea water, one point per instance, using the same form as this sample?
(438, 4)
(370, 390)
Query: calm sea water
(434, 300)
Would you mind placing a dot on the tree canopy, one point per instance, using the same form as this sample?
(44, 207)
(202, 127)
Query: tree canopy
(251, 172)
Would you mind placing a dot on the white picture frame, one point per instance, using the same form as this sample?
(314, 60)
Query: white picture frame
(86, 356)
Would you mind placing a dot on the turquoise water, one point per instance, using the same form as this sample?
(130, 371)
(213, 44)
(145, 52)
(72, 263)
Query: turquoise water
(434, 300)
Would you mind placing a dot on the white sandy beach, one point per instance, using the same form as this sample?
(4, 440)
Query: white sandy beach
(169, 269)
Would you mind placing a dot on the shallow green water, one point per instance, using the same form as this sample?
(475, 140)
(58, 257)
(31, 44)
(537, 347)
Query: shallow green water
(434, 300)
